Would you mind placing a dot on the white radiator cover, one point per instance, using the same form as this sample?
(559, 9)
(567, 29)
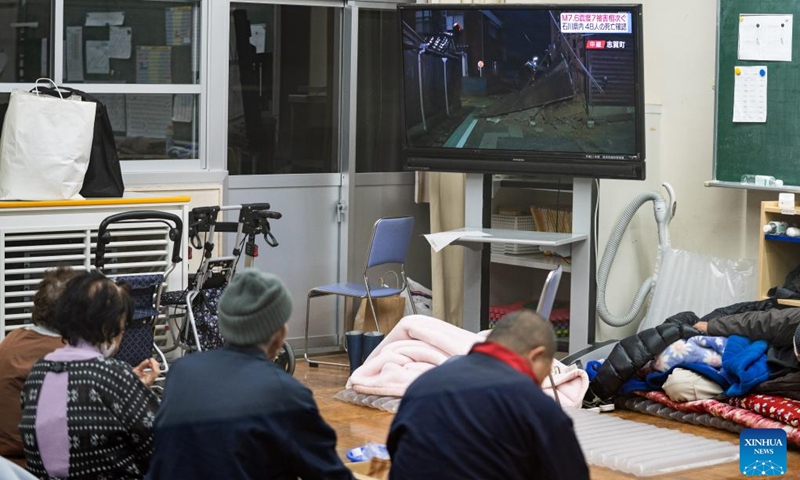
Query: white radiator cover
(32, 240)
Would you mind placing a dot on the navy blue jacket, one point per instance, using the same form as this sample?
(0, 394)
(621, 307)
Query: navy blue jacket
(478, 418)
(233, 414)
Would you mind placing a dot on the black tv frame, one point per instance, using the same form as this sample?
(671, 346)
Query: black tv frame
(523, 162)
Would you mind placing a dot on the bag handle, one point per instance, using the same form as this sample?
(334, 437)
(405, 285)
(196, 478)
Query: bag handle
(55, 87)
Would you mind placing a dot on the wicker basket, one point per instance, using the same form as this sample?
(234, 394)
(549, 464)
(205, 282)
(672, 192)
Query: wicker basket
(509, 222)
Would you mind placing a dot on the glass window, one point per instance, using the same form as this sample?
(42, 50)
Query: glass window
(283, 88)
(378, 101)
(153, 126)
(25, 40)
(132, 41)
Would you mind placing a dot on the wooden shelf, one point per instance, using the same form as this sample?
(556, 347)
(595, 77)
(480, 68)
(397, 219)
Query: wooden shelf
(772, 207)
(533, 260)
(789, 302)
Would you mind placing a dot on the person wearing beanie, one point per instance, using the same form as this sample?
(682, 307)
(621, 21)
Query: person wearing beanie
(233, 413)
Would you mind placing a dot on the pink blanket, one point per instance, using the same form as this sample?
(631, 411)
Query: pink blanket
(419, 343)
(415, 345)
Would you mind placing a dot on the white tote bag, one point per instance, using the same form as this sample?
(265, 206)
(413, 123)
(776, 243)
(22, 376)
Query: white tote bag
(45, 147)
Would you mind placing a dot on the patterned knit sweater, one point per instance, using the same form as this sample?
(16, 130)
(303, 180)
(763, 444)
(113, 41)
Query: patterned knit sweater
(110, 415)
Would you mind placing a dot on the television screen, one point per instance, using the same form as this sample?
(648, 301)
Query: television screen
(523, 89)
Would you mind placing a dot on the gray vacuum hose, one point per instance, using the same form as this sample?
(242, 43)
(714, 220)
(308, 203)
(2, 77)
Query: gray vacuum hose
(608, 259)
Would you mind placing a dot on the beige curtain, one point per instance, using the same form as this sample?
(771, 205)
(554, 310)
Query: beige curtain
(445, 192)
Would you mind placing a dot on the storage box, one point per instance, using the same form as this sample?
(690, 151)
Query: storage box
(375, 469)
(513, 222)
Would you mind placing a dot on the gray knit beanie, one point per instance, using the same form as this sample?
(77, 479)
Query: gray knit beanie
(253, 307)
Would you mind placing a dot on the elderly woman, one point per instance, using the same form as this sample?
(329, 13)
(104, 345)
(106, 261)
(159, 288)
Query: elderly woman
(84, 414)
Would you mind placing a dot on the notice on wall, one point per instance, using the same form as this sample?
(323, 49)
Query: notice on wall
(101, 19)
(154, 64)
(119, 42)
(765, 37)
(179, 26)
(97, 57)
(183, 108)
(258, 36)
(74, 54)
(148, 115)
(750, 95)
(115, 106)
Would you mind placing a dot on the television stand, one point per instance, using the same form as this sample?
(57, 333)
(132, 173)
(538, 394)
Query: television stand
(476, 257)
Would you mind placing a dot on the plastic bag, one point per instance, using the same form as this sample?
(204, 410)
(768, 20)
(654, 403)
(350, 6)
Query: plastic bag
(45, 147)
(690, 281)
(421, 296)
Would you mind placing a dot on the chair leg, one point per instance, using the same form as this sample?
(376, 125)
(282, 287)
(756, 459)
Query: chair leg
(315, 363)
(305, 350)
(374, 315)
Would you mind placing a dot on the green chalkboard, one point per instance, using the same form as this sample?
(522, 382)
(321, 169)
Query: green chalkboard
(771, 148)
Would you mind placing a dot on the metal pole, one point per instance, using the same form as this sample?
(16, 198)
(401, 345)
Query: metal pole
(446, 100)
(419, 75)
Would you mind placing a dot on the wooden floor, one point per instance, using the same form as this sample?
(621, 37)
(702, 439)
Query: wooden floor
(356, 425)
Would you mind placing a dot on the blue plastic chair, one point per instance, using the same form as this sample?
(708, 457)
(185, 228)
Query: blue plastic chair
(391, 238)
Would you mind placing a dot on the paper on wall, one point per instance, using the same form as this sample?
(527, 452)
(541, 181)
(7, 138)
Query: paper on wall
(101, 19)
(153, 64)
(74, 53)
(148, 115)
(765, 37)
(115, 106)
(750, 94)
(97, 57)
(258, 36)
(183, 107)
(119, 42)
(179, 25)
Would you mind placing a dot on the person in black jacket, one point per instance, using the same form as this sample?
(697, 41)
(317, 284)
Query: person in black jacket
(484, 415)
(232, 413)
(774, 324)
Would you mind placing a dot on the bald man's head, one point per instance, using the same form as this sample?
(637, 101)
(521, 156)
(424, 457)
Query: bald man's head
(528, 334)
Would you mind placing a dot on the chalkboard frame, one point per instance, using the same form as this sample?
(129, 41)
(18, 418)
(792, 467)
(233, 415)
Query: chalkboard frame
(736, 145)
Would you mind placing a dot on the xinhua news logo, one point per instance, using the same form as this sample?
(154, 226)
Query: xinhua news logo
(762, 452)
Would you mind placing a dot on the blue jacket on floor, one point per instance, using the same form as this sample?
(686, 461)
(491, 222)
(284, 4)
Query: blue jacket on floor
(233, 414)
(478, 418)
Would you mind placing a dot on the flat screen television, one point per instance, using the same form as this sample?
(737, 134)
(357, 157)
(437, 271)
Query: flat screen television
(523, 89)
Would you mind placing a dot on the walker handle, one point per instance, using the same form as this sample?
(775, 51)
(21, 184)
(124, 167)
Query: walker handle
(170, 219)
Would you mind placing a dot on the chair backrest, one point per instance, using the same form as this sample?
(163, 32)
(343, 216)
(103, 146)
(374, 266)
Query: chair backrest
(548, 297)
(391, 238)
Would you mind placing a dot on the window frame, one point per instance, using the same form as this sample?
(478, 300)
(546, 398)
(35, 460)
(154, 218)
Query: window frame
(200, 89)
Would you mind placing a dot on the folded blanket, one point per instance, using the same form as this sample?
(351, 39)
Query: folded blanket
(784, 410)
(744, 362)
(699, 349)
(415, 345)
(729, 412)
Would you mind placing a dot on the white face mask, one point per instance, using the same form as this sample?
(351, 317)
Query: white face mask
(108, 349)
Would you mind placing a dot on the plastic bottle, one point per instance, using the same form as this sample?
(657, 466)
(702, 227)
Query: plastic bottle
(793, 232)
(775, 228)
(761, 180)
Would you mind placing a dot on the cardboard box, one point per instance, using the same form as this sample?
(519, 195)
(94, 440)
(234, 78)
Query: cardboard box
(375, 469)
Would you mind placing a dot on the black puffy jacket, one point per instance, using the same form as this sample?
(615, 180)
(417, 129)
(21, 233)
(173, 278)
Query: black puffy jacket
(633, 353)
